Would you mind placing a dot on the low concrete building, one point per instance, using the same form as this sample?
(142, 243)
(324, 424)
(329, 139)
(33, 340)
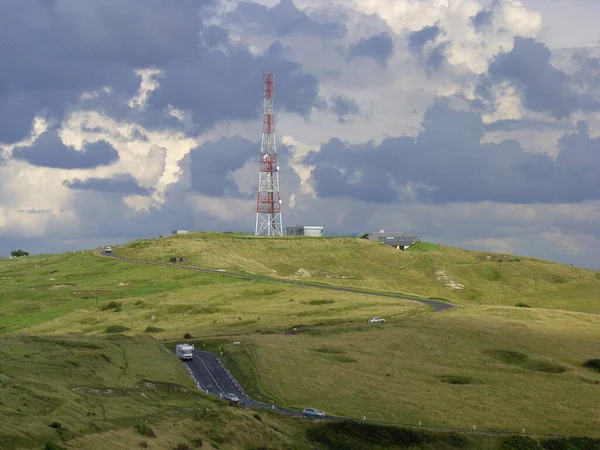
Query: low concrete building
(304, 231)
(180, 232)
(394, 239)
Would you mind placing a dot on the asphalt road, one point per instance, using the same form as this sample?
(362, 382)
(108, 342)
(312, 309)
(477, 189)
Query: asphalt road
(213, 377)
(436, 305)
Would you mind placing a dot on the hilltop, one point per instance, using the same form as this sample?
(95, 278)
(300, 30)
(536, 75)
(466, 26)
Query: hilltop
(485, 362)
(426, 270)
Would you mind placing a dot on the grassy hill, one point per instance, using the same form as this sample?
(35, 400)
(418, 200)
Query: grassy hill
(427, 271)
(73, 326)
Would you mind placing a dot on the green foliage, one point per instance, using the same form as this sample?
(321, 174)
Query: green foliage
(153, 330)
(112, 305)
(19, 253)
(571, 443)
(117, 329)
(355, 435)
(522, 305)
(521, 443)
(145, 430)
(593, 364)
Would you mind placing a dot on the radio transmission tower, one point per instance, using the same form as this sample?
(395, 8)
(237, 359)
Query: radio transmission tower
(268, 205)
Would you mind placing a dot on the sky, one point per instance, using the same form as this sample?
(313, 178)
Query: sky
(471, 123)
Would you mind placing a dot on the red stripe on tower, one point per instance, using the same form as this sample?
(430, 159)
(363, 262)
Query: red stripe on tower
(268, 203)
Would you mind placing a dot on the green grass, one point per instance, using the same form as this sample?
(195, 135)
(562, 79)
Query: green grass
(425, 270)
(485, 363)
(493, 367)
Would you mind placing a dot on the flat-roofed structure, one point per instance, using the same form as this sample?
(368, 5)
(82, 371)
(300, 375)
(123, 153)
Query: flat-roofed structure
(304, 231)
(400, 240)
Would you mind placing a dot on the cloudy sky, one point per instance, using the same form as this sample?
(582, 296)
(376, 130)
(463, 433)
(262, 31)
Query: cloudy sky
(473, 123)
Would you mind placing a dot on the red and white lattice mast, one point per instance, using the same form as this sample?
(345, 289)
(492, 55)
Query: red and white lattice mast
(268, 205)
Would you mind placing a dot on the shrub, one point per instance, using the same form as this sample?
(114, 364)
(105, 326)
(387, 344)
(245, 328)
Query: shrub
(257, 417)
(593, 364)
(197, 442)
(56, 425)
(183, 447)
(522, 305)
(521, 443)
(145, 430)
(117, 329)
(571, 443)
(51, 446)
(153, 330)
(116, 306)
(187, 336)
(144, 444)
(19, 253)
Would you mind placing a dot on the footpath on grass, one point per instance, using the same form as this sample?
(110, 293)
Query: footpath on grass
(436, 305)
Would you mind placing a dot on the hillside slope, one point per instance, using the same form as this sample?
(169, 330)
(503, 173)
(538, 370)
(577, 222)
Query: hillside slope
(450, 273)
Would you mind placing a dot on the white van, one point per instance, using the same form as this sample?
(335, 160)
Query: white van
(184, 351)
(108, 250)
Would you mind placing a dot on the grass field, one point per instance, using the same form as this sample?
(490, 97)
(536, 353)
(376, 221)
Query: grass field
(450, 273)
(493, 367)
(486, 363)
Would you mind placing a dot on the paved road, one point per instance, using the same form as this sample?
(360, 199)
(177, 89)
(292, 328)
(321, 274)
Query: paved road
(436, 305)
(213, 377)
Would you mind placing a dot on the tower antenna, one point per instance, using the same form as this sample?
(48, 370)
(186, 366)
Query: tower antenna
(268, 205)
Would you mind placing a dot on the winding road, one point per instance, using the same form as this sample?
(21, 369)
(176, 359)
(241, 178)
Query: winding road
(435, 304)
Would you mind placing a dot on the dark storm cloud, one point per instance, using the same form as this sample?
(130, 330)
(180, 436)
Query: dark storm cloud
(50, 151)
(344, 107)
(213, 86)
(378, 47)
(124, 184)
(447, 162)
(211, 165)
(434, 57)
(525, 124)
(54, 51)
(282, 19)
(542, 87)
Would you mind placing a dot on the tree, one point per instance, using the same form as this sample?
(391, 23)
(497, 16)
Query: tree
(18, 253)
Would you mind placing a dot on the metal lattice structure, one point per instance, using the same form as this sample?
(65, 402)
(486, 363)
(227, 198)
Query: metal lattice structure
(268, 205)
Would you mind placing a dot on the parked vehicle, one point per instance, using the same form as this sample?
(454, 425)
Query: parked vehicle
(311, 412)
(184, 351)
(231, 397)
(377, 320)
(108, 250)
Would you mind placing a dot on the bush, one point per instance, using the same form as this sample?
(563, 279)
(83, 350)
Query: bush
(56, 425)
(522, 305)
(144, 444)
(572, 443)
(117, 329)
(19, 253)
(51, 446)
(145, 430)
(183, 447)
(593, 364)
(153, 330)
(521, 443)
(187, 336)
(197, 443)
(116, 306)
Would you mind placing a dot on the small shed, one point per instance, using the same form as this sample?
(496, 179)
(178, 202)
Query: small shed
(180, 232)
(400, 240)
